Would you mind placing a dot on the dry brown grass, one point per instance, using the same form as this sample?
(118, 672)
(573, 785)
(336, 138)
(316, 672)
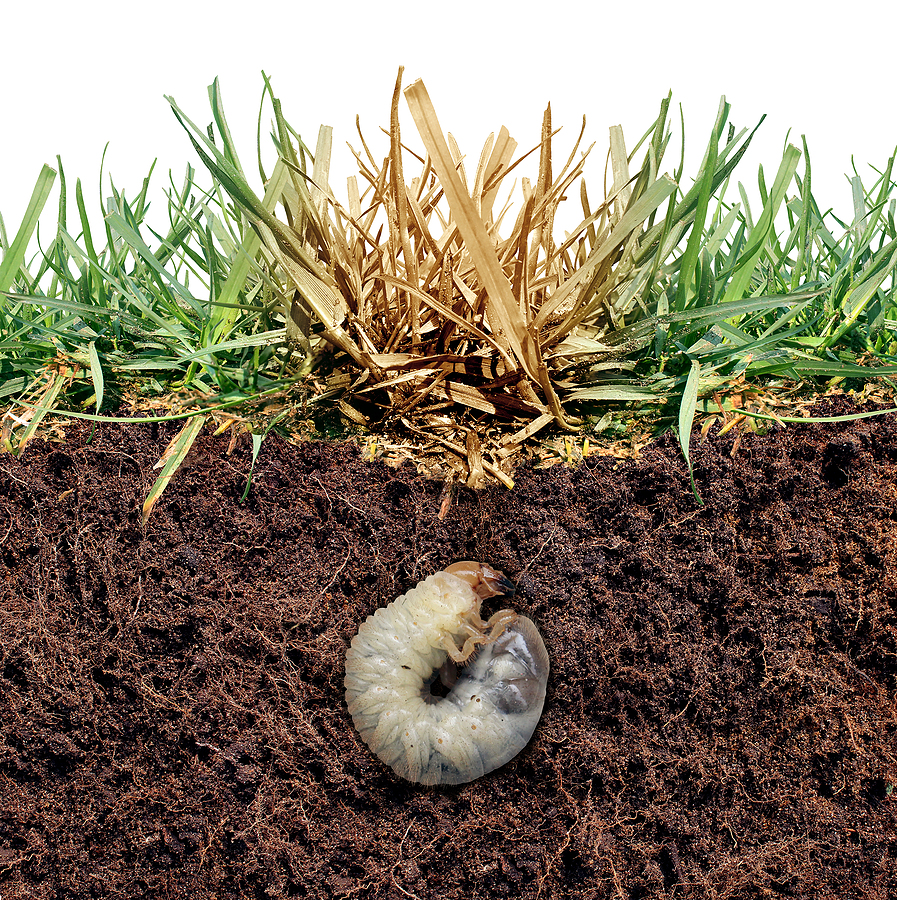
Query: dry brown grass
(431, 308)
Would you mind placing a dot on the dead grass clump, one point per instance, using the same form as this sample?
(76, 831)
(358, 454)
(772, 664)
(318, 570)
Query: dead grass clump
(433, 312)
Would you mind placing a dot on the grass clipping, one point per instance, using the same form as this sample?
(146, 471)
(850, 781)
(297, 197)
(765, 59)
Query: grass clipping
(439, 323)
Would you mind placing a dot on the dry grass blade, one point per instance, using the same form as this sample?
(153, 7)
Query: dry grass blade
(500, 298)
(474, 460)
(400, 200)
(585, 282)
(502, 308)
(56, 377)
(494, 471)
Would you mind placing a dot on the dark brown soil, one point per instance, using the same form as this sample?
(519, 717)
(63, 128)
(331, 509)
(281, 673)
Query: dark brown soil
(720, 719)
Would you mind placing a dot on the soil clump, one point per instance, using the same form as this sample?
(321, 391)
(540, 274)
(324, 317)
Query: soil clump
(720, 719)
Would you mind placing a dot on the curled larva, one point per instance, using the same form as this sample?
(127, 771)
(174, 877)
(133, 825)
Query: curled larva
(494, 701)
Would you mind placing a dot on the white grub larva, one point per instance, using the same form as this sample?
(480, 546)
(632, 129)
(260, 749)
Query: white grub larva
(494, 701)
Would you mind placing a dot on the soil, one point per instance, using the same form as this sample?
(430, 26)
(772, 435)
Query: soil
(720, 719)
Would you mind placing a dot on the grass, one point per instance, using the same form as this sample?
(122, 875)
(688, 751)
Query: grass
(438, 303)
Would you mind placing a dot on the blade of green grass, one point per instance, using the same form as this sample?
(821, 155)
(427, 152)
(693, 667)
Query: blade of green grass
(170, 461)
(257, 440)
(696, 238)
(15, 255)
(764, 227)
(225, 314)
(687, 408)
(860, 295)
(96, 373)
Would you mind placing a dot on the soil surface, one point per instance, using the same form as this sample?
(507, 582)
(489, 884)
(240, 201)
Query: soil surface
(720, 719)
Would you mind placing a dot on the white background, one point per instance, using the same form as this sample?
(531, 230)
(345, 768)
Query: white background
(79, 75)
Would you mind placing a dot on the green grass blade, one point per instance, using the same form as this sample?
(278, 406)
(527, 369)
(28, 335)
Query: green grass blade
(15, 256)
(618, 392)
(224, 314)
(798, 420)
(696, 238)
(136, 242)
(171, 460)
(687, 408)
(798, 270)
(96, 373)
(230, 150)
(764, 227)
(859, 297)
(257, 440)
